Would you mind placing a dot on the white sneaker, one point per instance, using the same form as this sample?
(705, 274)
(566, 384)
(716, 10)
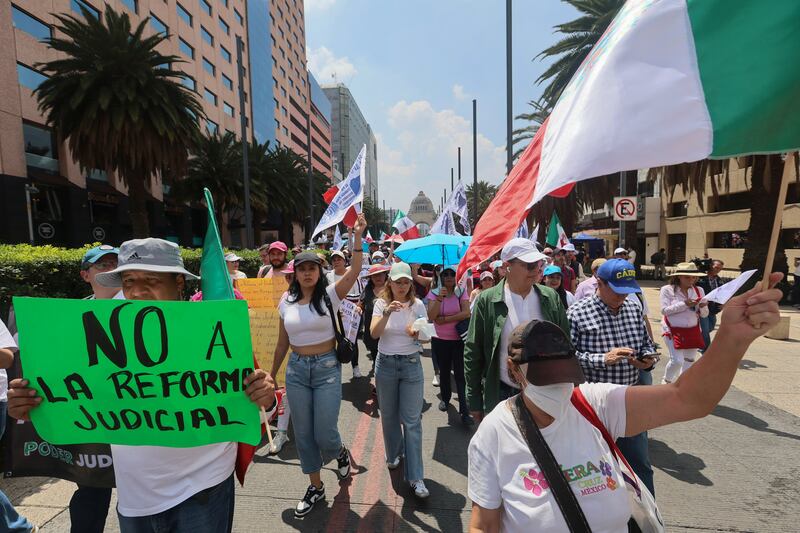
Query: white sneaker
(392, 465)
(419, 488)
(435, 381)
(357, 372)
(278, 441)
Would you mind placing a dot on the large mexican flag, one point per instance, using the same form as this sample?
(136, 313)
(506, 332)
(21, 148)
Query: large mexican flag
(670, 81)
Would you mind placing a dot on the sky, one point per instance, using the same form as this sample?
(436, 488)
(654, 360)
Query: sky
(414, 67)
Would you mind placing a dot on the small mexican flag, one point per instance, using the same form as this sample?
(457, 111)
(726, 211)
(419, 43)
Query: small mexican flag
(405, 226)
(556, 236)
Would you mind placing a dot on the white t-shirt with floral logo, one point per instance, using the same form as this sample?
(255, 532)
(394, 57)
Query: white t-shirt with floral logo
(502, 471)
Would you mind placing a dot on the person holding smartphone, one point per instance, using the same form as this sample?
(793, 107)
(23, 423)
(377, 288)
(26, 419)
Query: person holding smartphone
(612, 345)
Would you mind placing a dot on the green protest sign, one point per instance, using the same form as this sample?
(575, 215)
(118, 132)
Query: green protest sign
(138, 372)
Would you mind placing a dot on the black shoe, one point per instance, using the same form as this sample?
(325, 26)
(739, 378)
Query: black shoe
(467, 419)
(343, 468)
(313, 495)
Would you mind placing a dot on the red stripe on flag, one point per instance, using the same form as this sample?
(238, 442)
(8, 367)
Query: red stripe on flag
(330, 194)
(350, 218)
(502, 218)
(563, 191)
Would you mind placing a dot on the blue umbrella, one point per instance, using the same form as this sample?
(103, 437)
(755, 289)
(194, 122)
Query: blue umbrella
(435, 249)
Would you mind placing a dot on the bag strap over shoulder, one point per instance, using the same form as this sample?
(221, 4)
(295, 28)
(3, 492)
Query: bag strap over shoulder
(583, 406)
(565, 498)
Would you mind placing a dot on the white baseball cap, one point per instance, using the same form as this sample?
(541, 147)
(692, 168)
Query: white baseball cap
(522, 249)
(232, 257)
(620, 251)
(378, 253)
(569, 247)
(338, 253)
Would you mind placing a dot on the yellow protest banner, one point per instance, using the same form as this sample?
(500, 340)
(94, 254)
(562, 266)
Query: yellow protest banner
(262, 293)
(263, 296)
(264, 335)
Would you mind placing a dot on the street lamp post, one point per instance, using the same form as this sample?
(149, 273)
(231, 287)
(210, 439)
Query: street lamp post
(509, 104)
(248, 213)
(475, 157)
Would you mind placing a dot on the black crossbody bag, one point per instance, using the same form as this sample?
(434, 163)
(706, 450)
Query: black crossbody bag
(565, 498)
(344, 348)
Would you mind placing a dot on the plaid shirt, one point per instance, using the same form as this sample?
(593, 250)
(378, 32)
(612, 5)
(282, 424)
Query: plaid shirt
(595, 331)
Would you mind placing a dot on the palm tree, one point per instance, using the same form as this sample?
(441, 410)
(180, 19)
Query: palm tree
(486, 193)
(280, 186)
(376, 217)
(117, 102)
(580, 35)
(216, 164)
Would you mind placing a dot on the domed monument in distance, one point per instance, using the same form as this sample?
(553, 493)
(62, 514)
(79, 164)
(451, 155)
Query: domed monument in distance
(421, 212)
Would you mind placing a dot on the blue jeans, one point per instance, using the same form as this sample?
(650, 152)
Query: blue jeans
(208, 511)
(314, 389)
(707, 325)
(400, 385)
(10, 520)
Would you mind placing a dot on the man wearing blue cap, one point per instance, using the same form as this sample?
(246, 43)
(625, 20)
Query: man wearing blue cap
(612, 345)
(95, 261)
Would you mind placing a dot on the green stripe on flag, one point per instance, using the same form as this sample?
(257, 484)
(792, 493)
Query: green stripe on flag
(747, 56)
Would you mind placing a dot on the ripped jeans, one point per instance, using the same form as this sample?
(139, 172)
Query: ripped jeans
(314, 389)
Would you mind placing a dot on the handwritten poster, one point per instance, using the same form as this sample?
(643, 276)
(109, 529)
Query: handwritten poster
(139, 372)
(263, 296)
(264, 333)
(262, 293)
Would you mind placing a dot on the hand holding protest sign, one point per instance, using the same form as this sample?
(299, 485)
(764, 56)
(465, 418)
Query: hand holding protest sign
(140, 373)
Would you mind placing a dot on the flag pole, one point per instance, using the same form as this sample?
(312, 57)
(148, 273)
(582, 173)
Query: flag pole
(788, 167)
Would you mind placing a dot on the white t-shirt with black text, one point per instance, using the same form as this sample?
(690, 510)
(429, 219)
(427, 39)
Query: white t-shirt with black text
(503, 472)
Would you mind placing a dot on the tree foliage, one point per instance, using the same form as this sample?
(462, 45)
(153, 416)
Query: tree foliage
(485, 193)
(118, 103)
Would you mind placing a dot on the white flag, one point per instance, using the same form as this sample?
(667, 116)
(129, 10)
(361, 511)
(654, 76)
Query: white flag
(349, 195)
(456, 205)
(337, 239)
(535, 235)
(444, 224)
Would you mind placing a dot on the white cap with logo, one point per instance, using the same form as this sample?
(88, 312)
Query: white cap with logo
(522, 249)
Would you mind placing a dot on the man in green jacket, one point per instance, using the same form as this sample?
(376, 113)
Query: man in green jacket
(497, 311)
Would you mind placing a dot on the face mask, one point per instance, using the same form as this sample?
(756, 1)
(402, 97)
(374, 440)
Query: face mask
(552, 399)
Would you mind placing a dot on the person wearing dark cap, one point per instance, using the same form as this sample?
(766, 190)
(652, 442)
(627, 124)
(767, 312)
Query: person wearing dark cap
(313, 373)
(509, 490)
(191, 489)
(613, 344)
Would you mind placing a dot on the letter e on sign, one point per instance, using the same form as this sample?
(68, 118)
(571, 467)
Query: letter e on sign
(625, 208)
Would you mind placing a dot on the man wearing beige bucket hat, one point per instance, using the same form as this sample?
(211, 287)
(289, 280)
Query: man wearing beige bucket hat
(682, 306)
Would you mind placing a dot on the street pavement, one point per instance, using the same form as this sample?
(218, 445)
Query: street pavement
(732, 471)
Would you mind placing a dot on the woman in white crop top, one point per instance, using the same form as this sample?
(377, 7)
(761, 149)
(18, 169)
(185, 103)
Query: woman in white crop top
(398, 374)
(313, 373)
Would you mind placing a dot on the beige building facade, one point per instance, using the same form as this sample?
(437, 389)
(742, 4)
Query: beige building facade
(720, 230)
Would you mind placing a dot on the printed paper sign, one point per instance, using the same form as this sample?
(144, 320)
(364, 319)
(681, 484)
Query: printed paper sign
(351, 319)
(139, 372)
(725, 292)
